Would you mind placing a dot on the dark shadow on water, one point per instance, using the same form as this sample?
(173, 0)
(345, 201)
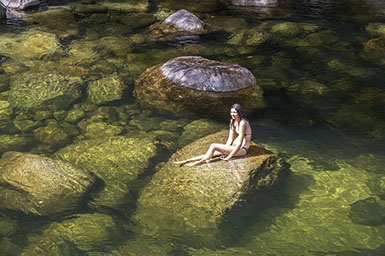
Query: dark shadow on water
(255, 213)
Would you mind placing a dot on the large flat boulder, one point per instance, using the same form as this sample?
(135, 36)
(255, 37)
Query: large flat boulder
(39, 185)
(193, 84)
(190, 202)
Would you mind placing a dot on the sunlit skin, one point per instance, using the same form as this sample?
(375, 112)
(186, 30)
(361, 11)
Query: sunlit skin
(233, 147)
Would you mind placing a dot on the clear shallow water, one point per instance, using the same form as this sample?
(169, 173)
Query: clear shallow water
(331, 132)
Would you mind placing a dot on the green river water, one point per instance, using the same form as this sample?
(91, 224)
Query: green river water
(320, 63)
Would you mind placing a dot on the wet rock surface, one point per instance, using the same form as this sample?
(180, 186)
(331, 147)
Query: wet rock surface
(40, 185)
(195, 84)
(190, 202)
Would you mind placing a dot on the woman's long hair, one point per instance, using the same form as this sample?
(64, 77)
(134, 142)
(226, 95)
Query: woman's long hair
(241, 114)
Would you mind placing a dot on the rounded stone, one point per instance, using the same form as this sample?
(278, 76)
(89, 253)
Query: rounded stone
(185, 21)
(39, 185)
(192, 84)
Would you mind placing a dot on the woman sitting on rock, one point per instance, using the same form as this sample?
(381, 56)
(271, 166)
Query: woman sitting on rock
(233, 147)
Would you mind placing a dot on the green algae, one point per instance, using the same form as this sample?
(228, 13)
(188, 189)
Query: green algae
(52, 135)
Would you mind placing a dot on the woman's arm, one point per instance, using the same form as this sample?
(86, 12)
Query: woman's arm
(230, 140)
(242, 128)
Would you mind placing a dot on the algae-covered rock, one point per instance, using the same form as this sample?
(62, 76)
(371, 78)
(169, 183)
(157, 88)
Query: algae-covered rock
(376, 29)
(9, 248)
(198, 129)
(52, 135)
(84, 231)
(308, 92)
(369, 162)
(190, 202)
(4, 82)
(106, 89)
(376, 184)
(33, 92)
(142, 247)
(116, 160)
(121, 46)
(30, 45)
(81, 52)
(227, 23)
(193, 84)
(6, 110)
(16, 142)
(102, 129)
(40, 185)
(58, 20)
(370, 212)
(204, 6)
(8, 226)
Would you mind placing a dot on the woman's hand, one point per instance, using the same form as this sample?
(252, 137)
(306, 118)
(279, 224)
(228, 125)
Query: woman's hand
(227, 158)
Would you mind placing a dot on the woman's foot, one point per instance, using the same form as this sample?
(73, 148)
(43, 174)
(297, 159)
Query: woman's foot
(194, 163)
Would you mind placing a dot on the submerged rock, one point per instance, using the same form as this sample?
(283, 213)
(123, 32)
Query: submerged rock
(30, 45)
(370, 212)
(106, 89)
(40, 185)
(33, 92)
(59, 20)
(84, 231)
(189, 202)
(194, 84)
(118, 161)
(15, 142)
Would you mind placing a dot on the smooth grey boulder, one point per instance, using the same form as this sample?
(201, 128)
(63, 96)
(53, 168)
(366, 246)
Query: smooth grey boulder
(40, 185)
(19, 4)
(178, 25)
(260, 3)
(185, 21)
(190, 202)
(193, 84)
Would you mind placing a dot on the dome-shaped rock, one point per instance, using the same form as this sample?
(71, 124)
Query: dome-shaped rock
(178, 25)
(40, 185)
(195, 84)
(190, 202)
(185, 21)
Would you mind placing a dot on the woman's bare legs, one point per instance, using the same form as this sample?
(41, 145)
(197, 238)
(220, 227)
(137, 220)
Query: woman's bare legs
(221, 148)
(217, 153)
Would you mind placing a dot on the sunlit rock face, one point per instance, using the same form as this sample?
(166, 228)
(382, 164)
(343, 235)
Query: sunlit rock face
(19, 4)
(40, 185)
(194, 84)
(262, 3)
(189, 203)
